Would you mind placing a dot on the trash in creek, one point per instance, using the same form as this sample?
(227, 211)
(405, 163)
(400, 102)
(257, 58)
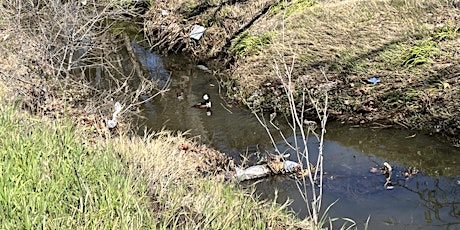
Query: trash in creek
(410, 172)
(204, 68)
(387, 170)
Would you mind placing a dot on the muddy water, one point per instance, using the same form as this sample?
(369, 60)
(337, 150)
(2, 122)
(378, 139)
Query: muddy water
(429, 200)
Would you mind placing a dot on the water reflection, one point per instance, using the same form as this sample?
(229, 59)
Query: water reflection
(429, 200)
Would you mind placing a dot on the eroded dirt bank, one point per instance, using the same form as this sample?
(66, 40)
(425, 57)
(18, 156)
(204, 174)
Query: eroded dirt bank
(395, 63)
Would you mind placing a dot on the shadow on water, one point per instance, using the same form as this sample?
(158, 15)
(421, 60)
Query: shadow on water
(428, 200)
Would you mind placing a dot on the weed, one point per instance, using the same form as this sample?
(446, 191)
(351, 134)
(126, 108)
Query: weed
(445, 33)
(247, 44)
(420, 53)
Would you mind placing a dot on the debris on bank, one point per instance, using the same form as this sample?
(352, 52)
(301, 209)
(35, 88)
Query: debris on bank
(204, 30)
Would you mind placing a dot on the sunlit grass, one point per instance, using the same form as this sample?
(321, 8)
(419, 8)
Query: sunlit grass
(355, 35)
(52, 181)
(247, 44)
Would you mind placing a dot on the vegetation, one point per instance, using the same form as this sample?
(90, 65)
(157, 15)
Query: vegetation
(63, 168)
(77, 174)
(290, 7)
(183, 198)
(51, 180)
(247, 44)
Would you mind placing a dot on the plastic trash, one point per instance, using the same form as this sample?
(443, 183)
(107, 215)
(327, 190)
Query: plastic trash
(204, 68)
(197, 32)
(373, 80)
(113, 122)
(291, 166)
(252, 172)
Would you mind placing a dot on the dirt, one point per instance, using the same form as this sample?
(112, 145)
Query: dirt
(394, 63)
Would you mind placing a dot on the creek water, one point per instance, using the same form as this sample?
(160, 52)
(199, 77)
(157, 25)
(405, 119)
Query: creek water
(428, 200)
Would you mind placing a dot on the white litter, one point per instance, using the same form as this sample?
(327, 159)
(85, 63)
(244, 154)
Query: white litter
(197, 32)
(204, 68)
(112, 123)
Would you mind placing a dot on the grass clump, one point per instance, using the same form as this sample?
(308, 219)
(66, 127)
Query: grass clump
(425, 49)
(247, 44)
(50, 180)
(445, 32)
(420, 53)
(291, 7)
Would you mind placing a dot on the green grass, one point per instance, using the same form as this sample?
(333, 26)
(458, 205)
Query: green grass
(52, 181)
(291, 7)
(420, 53)
(247, 44)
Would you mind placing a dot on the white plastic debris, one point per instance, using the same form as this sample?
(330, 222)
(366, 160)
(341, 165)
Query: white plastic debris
(204, 68)
(164, 13)
(197, 32)
(113, 123)
(5, 36)
(253, 172)
(291, 166)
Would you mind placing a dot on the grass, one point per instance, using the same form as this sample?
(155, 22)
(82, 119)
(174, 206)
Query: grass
(247, 44)
(291, 7)
(185, 199)
(420, 53)
(50, 180)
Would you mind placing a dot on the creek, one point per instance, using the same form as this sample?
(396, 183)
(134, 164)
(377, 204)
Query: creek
(428, 200)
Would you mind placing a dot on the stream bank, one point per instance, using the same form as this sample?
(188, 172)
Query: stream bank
(395, 63)
(50, 71)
